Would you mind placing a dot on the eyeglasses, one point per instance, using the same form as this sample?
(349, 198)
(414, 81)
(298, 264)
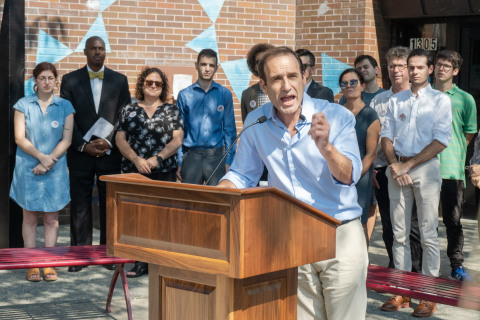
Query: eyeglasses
(353, 83)
(45, 79)
(445, 67)
(400, 67)
(149, 83)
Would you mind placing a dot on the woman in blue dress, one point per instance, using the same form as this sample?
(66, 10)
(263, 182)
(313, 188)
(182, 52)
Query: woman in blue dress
(367, 127)
(43, 126)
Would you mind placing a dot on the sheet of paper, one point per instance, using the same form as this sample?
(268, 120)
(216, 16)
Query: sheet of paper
(101, 129)
(180, 81)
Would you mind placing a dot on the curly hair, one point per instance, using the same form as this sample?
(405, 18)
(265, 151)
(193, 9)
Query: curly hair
(141, 80)
(251, 55)
(397, 53)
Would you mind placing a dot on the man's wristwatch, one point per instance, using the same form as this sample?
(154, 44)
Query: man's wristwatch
(82, 147)
(159, 159)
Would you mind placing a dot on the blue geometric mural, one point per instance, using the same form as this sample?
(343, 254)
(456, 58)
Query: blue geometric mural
(238, 75)
(104, 4)
(212, 8)
(29, 87)
(50, 49)
(205, 40)
(97, 29)
(331, 70)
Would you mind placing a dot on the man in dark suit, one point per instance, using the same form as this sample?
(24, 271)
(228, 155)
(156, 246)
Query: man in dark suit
(312, 88)
(253, 97)
(95, 92)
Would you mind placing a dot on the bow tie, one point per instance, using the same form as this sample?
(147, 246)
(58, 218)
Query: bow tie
(94, 75)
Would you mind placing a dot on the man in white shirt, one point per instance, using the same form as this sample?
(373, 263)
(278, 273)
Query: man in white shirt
(398, 74)
(417, 128)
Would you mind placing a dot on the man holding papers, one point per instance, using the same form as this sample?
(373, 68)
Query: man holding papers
(97, 94)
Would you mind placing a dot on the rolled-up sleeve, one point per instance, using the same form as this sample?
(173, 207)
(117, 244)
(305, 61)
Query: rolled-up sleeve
(343, 143)
(442, 127)
(388, 129)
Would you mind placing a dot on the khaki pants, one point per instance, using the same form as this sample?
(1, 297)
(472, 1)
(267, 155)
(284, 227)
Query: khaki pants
(335, 288)
(425, 191)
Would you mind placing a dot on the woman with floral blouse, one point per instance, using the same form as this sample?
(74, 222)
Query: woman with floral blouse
(149, 132)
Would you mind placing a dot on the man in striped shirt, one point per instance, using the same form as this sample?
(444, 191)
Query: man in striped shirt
(452, 159)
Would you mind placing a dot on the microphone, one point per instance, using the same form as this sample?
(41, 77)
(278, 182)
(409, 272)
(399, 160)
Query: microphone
(302, 117)
(261, 119)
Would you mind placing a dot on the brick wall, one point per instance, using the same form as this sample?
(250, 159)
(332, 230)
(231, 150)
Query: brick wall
(169, 33)
(156, 32)
(339, 30)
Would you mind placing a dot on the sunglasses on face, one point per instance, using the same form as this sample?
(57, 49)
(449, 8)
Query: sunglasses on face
(150, 83)
(353, 83)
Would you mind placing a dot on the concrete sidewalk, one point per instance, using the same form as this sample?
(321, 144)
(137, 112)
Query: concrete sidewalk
(83, 295)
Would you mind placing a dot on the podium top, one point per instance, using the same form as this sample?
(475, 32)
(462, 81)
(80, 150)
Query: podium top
(139, 179)
(239, 233)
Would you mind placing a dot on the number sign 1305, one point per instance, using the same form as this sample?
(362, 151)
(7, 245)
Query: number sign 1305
(424, 43)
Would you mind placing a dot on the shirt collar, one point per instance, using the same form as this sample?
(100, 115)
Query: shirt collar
(214, 85)
(308, 108)
(390, 92)
(102, 69)
(55, 100)
(453, 90)
(422, 91)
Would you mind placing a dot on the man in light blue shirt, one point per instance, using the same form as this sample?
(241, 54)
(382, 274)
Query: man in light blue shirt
(207, 112)
(310, 149)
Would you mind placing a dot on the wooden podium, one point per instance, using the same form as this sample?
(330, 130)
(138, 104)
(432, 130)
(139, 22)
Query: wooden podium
(216, 253)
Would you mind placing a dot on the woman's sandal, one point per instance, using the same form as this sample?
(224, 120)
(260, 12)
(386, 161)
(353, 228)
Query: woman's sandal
(49, 274)
(33, 275)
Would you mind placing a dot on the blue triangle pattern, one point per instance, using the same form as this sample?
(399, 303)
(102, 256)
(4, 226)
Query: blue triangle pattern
(97, 29)
(50, 49)
(205, 40)
(104, 4)
(212, 8)
(28, 91)
(331, 70)
(238, 75)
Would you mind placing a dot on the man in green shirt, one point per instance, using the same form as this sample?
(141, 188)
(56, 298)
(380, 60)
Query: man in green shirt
(452, 159)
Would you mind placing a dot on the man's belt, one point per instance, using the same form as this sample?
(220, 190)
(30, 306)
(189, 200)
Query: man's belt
(403, 159)
(207, 152)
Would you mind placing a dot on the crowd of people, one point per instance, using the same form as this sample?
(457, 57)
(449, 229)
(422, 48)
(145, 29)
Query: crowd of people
(402, 150)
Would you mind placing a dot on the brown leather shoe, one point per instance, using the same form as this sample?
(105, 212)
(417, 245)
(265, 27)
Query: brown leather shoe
(395, 303)
(424, 309)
